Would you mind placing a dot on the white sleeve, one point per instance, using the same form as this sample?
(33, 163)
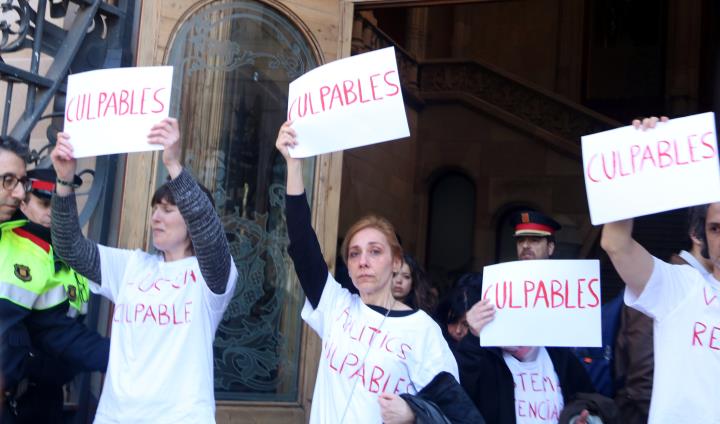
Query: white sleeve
(436, 357)
(333, 294)
(668, 286)
(113, 265)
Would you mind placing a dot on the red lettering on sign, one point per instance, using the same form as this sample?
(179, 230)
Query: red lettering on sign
(660, 154)
(159, 104)
(374, 86)
(568, 294)
(708, 145)
(395, 87)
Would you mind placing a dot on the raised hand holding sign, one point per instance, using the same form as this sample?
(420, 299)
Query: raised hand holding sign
(348, 103)
(113, 110)
(629, 172)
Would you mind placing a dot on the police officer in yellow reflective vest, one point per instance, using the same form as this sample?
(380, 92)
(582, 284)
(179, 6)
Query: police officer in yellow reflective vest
(41, 346)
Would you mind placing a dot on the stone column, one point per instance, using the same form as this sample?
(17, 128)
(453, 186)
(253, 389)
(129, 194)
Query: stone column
(416, 31)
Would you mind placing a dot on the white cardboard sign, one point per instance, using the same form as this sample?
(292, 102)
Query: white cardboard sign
(630, 172)
(348, 103)
(553, 302)
(112, 110)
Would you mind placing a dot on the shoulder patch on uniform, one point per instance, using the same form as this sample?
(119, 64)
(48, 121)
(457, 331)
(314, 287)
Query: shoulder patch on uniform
(22, 272)
(72, 292)
(34, 238)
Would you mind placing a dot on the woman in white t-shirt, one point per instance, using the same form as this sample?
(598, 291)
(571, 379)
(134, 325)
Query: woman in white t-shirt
(167, 305)
(375, 348)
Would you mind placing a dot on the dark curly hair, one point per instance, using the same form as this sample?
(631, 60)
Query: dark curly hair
(421, 295)
(466, 292)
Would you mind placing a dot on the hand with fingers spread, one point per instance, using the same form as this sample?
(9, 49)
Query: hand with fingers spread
(166, 133)
(394, 410)
(479, 315)
(648, 123)
(64, 162)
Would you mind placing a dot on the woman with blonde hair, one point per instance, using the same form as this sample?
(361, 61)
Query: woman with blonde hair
(375, 348)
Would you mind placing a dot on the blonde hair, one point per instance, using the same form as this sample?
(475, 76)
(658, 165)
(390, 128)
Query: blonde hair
(379, 223)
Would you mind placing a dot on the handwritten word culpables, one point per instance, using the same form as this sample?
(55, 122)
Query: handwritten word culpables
(374, 87)
(91, 106)
(636, 158)
(552, 294)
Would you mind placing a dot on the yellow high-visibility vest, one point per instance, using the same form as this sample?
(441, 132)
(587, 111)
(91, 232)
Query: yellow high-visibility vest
(28, 276)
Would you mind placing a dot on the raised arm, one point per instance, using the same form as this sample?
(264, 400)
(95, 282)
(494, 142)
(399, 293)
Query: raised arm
(631, 260)
(67, 238)
(304, 247)
(206, 231)
(285, 141)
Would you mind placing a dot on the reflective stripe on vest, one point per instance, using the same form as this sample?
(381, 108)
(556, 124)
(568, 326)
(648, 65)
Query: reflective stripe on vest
(30, 265)
(17, 295)
(50, 298)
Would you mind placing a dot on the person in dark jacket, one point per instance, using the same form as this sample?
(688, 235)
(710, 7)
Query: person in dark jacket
(35, 330)
(451, 312)
(43, 400)
(520, 383)
(488, 381)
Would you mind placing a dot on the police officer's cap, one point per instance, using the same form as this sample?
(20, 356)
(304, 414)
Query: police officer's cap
(43, 181)
(530, 223)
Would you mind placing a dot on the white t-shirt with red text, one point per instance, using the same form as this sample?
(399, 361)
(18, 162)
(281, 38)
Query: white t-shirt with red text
(685, 307)
(164, 322)
(374, 353)
(538, 396)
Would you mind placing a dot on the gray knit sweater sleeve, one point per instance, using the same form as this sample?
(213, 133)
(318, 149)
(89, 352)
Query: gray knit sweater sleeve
(68, 241)
(206, 231)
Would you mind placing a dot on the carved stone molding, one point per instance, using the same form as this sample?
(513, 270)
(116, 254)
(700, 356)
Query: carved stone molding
(551, 113)
(536, 106)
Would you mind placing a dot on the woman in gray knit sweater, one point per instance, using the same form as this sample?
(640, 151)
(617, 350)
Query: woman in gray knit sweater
(167, 305)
